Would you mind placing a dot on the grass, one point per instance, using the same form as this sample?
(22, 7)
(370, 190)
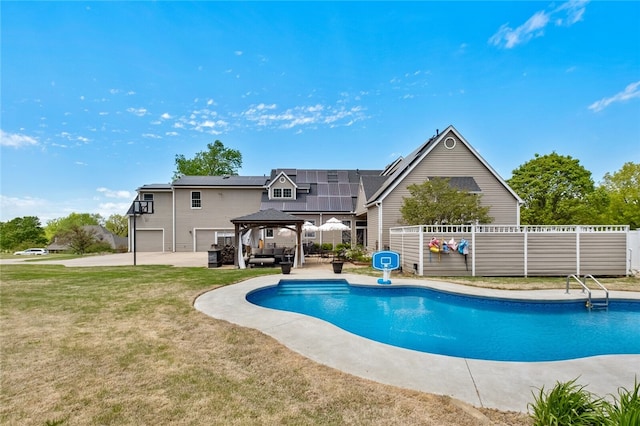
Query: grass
(123, 345)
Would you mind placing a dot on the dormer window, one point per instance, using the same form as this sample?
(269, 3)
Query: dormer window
(282, 193)
(282, 187)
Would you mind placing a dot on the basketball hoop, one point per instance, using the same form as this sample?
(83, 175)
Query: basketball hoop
(141, 207)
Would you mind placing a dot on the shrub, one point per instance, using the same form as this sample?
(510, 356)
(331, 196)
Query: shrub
(625, 408)
(570, 404)
(566, 404)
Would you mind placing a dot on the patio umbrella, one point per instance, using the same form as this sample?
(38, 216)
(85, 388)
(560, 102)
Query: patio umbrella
(309, 227)
(333, 224)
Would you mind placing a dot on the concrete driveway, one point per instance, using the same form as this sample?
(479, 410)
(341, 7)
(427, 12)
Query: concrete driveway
(122, 259)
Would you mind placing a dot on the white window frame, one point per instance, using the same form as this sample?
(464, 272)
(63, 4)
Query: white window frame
(196, 200)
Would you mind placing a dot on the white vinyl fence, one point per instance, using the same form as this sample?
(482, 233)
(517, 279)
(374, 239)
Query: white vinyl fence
(495, 250)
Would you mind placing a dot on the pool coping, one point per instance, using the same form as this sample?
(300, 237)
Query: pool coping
(491, 384)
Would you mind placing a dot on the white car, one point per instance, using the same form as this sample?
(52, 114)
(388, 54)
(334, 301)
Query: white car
(32, 252)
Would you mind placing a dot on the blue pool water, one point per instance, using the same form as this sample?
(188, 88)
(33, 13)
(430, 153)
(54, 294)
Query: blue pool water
(444, 323)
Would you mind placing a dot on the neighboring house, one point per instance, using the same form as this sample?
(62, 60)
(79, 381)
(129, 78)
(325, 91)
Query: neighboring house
(194, 212)
(101, 234)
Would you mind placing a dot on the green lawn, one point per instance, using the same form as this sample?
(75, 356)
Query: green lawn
(124, 345)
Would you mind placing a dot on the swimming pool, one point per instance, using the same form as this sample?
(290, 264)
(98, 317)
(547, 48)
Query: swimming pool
(464, 326)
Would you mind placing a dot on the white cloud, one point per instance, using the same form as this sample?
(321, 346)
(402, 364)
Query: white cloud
(12, 207)
(165, 116)
(238, 52)
(107, 209)
(266, 115)
(16, 140)
(630, 92)
(171, 133)
(566, 14)
(110, 193)
(140, 112)
(151, 136)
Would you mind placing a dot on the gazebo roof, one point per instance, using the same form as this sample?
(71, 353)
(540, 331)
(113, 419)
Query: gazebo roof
(268, 217)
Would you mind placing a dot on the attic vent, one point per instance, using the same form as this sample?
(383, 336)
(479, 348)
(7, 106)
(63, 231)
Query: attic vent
(332, 176)
(449, 143)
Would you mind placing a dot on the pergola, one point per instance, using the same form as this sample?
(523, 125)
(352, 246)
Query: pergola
(270, 218)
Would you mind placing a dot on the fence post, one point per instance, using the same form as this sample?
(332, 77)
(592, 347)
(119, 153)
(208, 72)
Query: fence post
(421, 251)
(578, 227)
(526, 251)
(473, 250)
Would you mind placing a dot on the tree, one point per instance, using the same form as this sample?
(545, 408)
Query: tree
(623, 188)
(117, 224)
(64, 224)
(77, 238)
(216, 161)
(21, 233)
(555, 190)
(436, 202)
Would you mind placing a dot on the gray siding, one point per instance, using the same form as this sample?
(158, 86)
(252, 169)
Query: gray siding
(499, 254)
(219, 206)
(603, 253)
(459, 161)
(551, 254)
(152, 227)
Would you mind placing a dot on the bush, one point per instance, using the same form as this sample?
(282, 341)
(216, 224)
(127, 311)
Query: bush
(570, 404)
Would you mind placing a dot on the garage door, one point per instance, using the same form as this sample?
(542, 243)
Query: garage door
(149, 240)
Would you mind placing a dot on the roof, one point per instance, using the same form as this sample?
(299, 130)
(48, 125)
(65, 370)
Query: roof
(226, 180)
(269, 216)
(398, 171)
(325, 190)
(155, 187)
(461, 183)
(370, 184)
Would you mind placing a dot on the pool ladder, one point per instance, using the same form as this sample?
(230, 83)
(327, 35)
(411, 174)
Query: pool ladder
(591, 303)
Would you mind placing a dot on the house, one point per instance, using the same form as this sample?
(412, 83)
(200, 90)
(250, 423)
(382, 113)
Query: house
(100, 235)
(194, 213)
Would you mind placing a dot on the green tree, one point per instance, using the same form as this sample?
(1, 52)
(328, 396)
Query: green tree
(21, 233)
(623, 188)
(64, 224)
(436, 202)
(555, 190)
(216, 161)
(77, 238)
(117, 224)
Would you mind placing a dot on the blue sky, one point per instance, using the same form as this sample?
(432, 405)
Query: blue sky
(98, 97)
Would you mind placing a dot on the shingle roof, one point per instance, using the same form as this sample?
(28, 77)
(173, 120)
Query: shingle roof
(461, 183)
(268, 216)
(227, 180)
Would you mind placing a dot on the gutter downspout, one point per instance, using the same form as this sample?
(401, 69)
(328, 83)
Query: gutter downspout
(379, 206)
(173, 221)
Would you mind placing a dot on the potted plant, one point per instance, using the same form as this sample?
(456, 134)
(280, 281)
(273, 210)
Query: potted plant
(286, 267)
(337, 265)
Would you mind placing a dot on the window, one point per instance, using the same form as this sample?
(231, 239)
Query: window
(196, 201)
(277, 192)
(268, 233)
(147, 197)
(286, 193)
